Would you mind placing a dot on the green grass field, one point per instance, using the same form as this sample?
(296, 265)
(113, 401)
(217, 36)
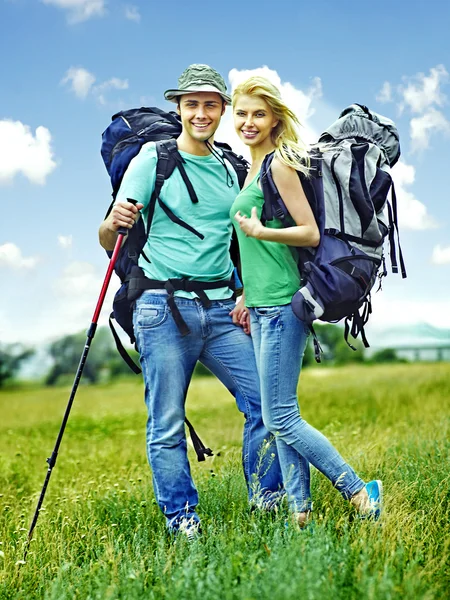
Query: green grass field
(101, 535)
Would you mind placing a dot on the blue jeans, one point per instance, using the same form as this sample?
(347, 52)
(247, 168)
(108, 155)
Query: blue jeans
(168, 360)
(279, 339)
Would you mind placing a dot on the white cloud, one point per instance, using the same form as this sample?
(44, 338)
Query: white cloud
(390, 309)
(111, 84)
(422, 127)
(441, 255)
(301, 102)
(423, 91)
(385, 94)
(23, 152)
(65, 241)
(412, 213)
(82, 84)
(61, 307)
(11, 257)
(132, 13)
(75, 294)
(79, 10)
(422, 95)
(77, 279)
(81, 81)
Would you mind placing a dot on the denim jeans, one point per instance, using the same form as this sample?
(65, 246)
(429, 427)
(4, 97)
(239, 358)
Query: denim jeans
(279, 339)
(168, 360)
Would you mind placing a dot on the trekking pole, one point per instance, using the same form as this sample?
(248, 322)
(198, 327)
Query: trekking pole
(90, 335)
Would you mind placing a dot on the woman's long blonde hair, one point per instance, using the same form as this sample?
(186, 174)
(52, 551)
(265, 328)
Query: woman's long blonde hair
(289, 147)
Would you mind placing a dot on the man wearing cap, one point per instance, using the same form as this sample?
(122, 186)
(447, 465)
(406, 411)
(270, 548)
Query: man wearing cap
(167, 356)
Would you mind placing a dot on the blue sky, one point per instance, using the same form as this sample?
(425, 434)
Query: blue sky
(68, 65)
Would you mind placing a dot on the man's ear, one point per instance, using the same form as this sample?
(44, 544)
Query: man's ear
(224, 105)
(178, 108)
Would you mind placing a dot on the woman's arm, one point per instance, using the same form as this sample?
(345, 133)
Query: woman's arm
(305, 232)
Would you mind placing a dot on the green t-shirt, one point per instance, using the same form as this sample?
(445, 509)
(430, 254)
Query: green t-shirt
(175, 252)
(269, 269)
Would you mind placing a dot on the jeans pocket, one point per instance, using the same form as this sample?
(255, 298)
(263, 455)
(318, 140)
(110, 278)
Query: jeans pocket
(228, 305)
(268, 311)
(148, 316)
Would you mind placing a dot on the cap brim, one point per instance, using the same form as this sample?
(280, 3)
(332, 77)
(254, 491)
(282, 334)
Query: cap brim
(172, 95)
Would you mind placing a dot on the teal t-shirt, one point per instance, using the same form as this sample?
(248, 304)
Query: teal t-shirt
(269, 269)
(174, 251)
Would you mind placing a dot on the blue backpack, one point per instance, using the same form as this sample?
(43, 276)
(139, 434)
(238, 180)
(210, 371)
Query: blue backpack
(347, 189)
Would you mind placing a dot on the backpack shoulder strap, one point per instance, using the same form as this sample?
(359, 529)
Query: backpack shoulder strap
(175, 159)
(393, 228)
(273, 206)
(238, 162)
(168, 159)
(165, 166)
(123, 353)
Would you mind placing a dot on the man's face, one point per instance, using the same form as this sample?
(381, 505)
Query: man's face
(200, 114)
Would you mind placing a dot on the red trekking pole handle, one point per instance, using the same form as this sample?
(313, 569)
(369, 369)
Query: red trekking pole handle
(122, 232)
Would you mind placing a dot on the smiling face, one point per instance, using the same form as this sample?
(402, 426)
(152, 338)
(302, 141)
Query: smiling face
(254, 121)
(200, 114)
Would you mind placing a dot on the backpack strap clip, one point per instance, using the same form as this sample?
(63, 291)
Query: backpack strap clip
(159, 179)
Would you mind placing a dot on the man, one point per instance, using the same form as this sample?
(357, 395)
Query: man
(175, 330)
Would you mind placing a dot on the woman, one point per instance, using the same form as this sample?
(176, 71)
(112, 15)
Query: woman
(271, 277)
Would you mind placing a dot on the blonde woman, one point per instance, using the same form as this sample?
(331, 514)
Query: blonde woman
(271, 277)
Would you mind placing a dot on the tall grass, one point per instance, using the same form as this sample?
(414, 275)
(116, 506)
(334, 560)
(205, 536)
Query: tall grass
(101, 535)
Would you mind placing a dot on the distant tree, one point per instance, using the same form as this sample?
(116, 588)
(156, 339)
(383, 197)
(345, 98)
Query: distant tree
(343, 354)
(335, 349)
(66, 353)
(118, 367)
(201, 371)
(387, 355)
(308, 357)
(12, 356)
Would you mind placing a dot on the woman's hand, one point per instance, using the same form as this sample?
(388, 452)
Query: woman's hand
(241, 315)
(252, 227)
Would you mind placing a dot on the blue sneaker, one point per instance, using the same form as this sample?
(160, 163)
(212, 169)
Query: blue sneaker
(189, 529)
(375, 492)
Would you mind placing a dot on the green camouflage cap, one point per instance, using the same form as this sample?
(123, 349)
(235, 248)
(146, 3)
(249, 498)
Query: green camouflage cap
(199, 78)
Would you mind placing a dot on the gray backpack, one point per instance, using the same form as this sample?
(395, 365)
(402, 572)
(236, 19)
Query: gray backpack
(348, 192)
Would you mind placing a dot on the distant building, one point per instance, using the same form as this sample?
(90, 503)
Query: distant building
(420, 342)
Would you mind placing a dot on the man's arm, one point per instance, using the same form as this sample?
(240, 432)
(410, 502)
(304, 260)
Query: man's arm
(137, 183)
(123, 214)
